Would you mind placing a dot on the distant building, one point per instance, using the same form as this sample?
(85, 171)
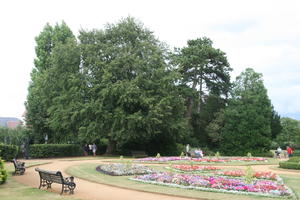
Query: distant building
(10, 122)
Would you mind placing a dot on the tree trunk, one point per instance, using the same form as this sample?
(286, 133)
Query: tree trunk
(189, 108)
(200, 94)
(111, 148)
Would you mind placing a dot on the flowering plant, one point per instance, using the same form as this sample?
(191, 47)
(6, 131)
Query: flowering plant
(240, 173)
(214, 160)
(211, 183)
(194, 167)
(117, 169)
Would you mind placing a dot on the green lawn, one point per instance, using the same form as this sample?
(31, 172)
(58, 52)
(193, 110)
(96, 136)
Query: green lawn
(12, 190)
(88, 172)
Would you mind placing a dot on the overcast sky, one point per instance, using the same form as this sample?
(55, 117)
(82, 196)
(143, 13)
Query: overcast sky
(261, 34)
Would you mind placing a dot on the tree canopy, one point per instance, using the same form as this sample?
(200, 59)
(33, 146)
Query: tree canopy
(122, 85)
(247, 126)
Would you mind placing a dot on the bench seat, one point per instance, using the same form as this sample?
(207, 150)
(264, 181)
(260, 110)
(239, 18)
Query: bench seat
(49, 177)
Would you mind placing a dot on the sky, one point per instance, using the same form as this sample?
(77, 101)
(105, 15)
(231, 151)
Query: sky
(261, 34)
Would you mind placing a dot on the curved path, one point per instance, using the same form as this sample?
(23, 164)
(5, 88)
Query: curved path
(89, 190)
(96, 191)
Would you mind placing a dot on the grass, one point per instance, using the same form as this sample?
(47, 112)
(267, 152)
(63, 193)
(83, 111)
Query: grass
(12, 190)
(88, 172)
(91, 158)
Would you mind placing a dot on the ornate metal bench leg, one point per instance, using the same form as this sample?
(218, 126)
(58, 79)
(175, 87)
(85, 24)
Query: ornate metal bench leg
(62, 189)
(48, 184)
(71, 188)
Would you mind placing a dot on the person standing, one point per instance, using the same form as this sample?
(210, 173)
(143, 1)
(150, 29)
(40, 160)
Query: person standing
(94, 149)
(289, 151)
(278, 152)
(86, 150)
(187, 150)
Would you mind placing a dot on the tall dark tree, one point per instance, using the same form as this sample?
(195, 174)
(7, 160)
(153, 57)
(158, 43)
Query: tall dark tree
(276, 126)
(130, 94)
(247, 117)
(66, 91)
(204, 68)
(290, 134)
(39, 99)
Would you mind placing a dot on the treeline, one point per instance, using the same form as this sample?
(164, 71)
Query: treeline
(122, 85)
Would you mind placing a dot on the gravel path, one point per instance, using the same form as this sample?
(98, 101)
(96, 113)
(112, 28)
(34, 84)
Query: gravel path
(89, 190)
(96, 191)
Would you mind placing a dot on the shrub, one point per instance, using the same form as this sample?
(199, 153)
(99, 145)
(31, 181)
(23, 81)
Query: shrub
(54, 150)
(292, 163)
(8, 152)
(263, 154)
(296, 153)
(294, 159)
(3, 173)
(289, 165)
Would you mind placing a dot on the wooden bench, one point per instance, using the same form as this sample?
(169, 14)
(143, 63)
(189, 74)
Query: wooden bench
(49, 177)
(138, 154)
(19, 167)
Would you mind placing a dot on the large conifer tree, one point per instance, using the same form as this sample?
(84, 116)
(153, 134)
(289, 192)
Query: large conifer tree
(248, 117)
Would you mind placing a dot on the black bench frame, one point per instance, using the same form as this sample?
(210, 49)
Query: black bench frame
(49, 177)
(19, 167)
(138, 154)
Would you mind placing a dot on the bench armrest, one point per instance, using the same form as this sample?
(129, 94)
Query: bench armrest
(70, 179)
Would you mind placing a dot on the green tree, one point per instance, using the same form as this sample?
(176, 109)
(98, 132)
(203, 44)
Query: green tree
(203, 68)
(65, 84)
(247, 117)
(130, 93)
(290, 134)
(276, 126)
(39, 98)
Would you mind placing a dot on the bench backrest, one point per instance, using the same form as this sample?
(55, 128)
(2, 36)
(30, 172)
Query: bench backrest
(53, 176)
(15, 163)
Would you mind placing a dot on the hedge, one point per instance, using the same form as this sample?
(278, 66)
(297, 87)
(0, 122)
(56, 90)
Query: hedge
(296, 153)
(3, 173)
(54, 150)
(8, 152)
(292, 163)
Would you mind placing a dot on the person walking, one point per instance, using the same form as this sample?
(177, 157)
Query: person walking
(289, 151)
(94, 149)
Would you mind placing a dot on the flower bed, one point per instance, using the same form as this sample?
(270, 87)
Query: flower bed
(194, 168)
(205, 160)
(219, 184)
(117, 169)
(240, 173)
(162, 159)
(233, 159)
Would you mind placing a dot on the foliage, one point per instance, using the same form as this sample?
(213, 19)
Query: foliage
(248, 175)
(54, 150)
(294, 159)
(248, 117)
(13, 136)
(264, 154)
(276, 126)
(130, 92)
(3, 173)
(292, 163)
(8, 152)
(45, 85)
(290, 134)
(217, 154)
(205, 83)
